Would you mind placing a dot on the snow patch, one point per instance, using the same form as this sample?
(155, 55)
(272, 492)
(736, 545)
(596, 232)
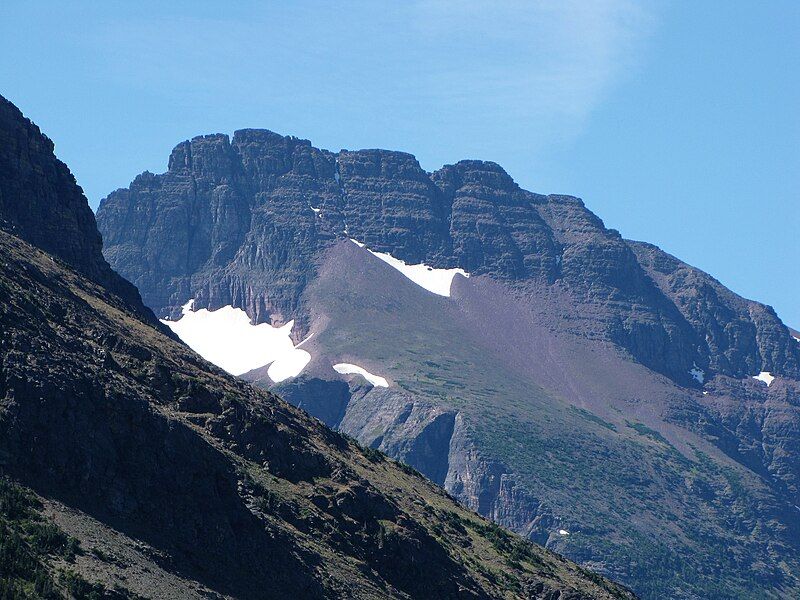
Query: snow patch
(351, 369)
(437, 281)
(697, 373)
(563, 532)
(310, 335)
(316, 210)
(226, 338)
(765, 376)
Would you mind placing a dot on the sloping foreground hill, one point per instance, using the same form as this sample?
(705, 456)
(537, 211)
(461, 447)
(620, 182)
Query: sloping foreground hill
(591, 393)
(131, 467)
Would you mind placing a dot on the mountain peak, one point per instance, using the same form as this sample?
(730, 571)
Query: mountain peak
(565, 343)
(39, 198)
(41, 203)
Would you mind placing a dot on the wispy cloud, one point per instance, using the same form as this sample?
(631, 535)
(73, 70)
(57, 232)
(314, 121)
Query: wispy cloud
(543, 59)
(546, 59)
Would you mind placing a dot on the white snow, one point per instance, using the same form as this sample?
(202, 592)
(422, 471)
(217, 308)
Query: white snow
(698, 373)
(316, 210)
(310, 335)
(765, 376)
(437, 281)
(563, 532)
(351, 369)
(226, 338)
(796, 339)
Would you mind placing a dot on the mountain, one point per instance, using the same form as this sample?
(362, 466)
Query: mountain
(132, 468)
(41, 203)
(592, 393)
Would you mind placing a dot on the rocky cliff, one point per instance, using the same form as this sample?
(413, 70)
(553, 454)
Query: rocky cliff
(241, 221)
(41, 203)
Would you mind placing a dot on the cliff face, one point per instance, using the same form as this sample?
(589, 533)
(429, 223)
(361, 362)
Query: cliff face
(576, 382)
(242, 222)
(739, 336)
(140, 470)
(202, 227)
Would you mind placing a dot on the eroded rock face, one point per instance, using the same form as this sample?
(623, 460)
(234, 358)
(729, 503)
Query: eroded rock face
(229, 223)
(244, 221)
(738, 336)
(412, 430)
(756, 425)
(490, 488)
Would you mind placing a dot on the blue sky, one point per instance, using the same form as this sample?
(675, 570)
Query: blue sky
(676, 122)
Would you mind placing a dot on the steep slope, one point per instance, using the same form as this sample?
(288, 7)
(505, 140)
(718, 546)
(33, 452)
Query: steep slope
(136, 469)
(738, 336)
(41, 203)
(589, 392)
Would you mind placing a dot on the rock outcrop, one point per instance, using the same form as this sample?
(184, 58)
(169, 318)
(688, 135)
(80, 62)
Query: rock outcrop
(738, 336)
(41, 203)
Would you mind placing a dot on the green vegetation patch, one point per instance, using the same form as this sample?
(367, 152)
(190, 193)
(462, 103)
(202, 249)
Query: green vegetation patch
(28, 543)
(25, 542)
(644, 430)
(590, 416)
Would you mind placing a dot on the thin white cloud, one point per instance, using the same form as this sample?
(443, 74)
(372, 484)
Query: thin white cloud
(512, 81)
(528, 58)
(536, 58)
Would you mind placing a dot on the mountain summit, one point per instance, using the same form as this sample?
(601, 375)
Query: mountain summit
(595, 394)
(239, 222)
(41, 203)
